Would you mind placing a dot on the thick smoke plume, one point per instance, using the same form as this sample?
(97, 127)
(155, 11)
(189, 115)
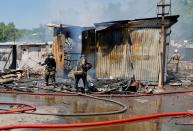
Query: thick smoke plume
(87, 12)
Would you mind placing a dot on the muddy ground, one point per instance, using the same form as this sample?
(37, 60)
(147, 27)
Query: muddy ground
(79, 104)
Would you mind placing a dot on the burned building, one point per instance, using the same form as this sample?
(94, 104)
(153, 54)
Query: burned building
(66, 46)
(7, 55)
(88, 43)
(30, 54)
(122, 49)
(23, 55)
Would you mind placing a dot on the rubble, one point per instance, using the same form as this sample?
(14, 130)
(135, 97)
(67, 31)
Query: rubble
(10, 75)
(175, 84)
(19, 82)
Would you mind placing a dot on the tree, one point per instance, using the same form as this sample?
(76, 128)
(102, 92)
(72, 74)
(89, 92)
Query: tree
(9, 32)
(2, 32)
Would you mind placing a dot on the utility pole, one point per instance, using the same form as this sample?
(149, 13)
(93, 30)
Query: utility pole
(163, 5)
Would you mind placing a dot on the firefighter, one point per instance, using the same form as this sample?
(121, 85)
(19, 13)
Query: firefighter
(176, 59)
(50, 69)
(80, 72)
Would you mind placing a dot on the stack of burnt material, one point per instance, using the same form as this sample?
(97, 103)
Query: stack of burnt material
(117, 85)
(9, 76)
(31, 73)
(122, 86)
(107, 85)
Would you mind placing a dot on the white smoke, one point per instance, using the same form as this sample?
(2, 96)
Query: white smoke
(87, 12)
(183, 30)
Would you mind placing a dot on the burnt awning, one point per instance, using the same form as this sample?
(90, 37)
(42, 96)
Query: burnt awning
(154, 22)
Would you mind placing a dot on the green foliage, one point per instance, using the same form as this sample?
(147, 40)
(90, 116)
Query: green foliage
(8, 32)
(2, 32)
(191, 7)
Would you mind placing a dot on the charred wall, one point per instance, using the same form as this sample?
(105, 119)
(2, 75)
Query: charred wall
(122, 53)
(58, 50)
(89, 45)
(66, 47)
(129, 48)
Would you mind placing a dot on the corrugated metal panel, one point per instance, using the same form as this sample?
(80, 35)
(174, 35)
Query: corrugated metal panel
(89, 46)
(145, 54)
(122, 54)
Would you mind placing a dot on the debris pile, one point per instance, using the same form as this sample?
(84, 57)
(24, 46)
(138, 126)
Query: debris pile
(9, 76)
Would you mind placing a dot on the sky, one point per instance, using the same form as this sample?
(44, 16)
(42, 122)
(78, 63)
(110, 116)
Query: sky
(31, 13)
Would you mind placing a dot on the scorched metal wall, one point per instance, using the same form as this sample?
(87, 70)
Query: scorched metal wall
(122, 53)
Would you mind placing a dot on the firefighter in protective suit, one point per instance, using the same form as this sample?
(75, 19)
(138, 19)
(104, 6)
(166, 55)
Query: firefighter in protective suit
(176, 59)
(80, 72)
(50, 69)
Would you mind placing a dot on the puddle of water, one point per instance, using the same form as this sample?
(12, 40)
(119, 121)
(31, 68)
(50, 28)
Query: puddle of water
(136, 107)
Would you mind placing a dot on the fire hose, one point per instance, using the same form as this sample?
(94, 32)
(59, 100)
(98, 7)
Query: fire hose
(96, 94)
(124, 108)
(92, 124)
(102, 123)
(30, 107)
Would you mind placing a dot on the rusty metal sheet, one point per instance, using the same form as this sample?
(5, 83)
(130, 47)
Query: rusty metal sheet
(139, 56)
